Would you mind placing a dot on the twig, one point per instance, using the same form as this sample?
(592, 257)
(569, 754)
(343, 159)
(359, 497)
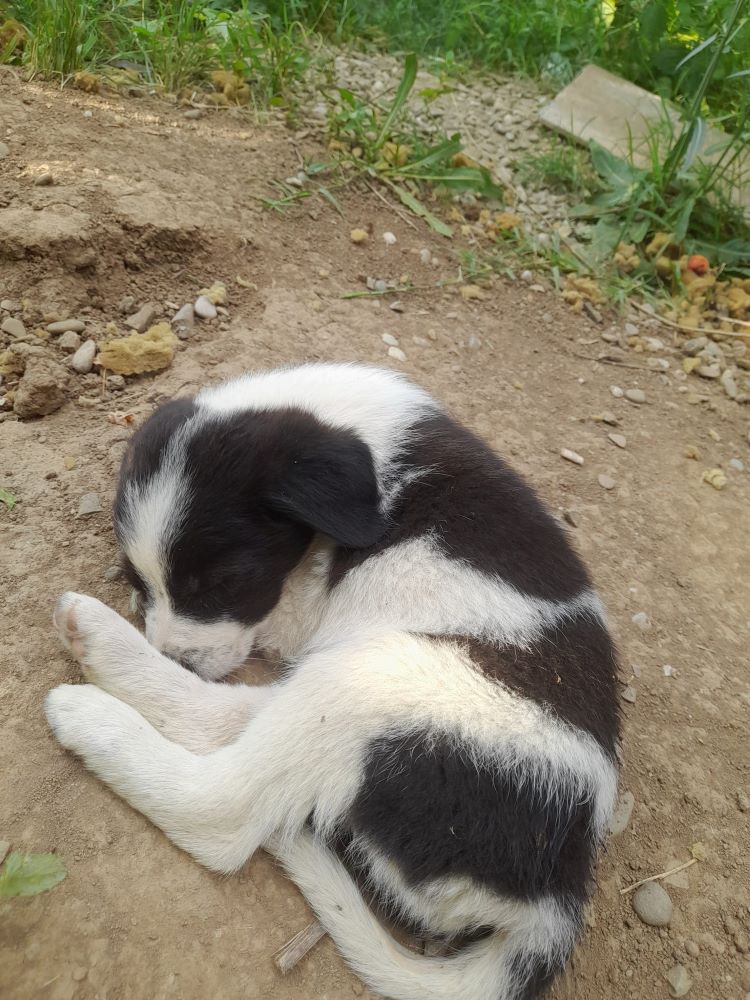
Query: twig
(295, 950)
(604, 360)
(392, 207)
(706, 331)
(654, 878)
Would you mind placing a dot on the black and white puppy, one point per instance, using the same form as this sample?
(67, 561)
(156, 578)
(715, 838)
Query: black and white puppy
(449, 712)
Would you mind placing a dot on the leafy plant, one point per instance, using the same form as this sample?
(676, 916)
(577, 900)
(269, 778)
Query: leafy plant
(30, 874)
(381, 144)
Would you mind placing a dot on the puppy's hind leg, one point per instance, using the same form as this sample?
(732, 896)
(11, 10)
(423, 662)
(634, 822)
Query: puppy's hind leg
(197, 714)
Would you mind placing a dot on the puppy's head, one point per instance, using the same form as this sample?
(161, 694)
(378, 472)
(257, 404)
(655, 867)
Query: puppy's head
(213, 511)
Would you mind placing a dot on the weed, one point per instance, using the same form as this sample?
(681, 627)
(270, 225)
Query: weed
(565, 168)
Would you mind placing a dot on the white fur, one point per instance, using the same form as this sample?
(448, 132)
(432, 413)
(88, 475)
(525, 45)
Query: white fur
(272, 756)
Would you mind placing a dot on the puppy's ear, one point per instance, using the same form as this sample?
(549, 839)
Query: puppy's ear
(331, 487)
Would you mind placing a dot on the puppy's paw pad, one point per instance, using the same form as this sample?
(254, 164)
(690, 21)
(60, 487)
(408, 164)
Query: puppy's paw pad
(90, 630)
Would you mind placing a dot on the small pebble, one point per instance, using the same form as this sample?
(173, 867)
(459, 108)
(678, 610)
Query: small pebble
(358, 235)
(80, 973)
(63, 325)
(679, 981)
(140, 321)
(629, 694)
(44, 180)
(70, 341)
(425, 256)
(83, 359)
(473, 342)
(652, 904)
(619, 439)
(397, 353)
(89, 504)
(204, 308)
(571, 518)
(526, 276)
(642, 620)
(631, 330)
(737, 464)
(609, 418)
(616, 391)
(10, 305)
(621, 816)
(112, 573)
(183, 321)
(4, 150)
(396, 306)
(13, 327)
(692, 949)
(390, 340)
(606, 482)
(127, 304)
(571, 456)
(635, 395)
(743, 802)
(88, 114)
(668, 670)
(389, 239)
(193, 114)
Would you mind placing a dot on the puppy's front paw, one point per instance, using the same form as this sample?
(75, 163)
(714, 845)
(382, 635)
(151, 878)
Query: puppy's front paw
(99, 638)
(76, 714)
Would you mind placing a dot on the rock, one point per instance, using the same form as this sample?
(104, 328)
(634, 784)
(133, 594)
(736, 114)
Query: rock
(389, 239)
(140, 352)
(193, 114)
(715, 478)
(142, 320)
(709, 371)
(607, 417)
(743, 802)
(127, 303)
(616, 391)
(736, 464)
(89, 504)
(570, 517)
(629, 694)
(635, 395)
(571, 456)
(116, 383)
(396, 306)
(183, 321)
(619, 439)
(79, 973)
(652, 904)
(473, 342)
(44, 180)
(390, 340)
(642, 620)
(396, 353)
(606, 482)
(526, 276)
(41, 390)
(694, 346)
(631, 330)
(70, 341)
(4, 150)
(425, 255)
(358, 235)
(10, 305)
(83, 359)
(112, 573)
(14, 360)
(13, 327)
(729, 384)
(204, 308)
(64, 325)
(679, 981)
(692, 949)
(621, 816)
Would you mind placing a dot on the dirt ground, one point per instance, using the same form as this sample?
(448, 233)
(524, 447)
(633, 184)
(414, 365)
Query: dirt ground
(148, 204)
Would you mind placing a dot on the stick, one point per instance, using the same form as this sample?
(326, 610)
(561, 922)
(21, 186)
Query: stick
(654, 878)
(706, 331)
(390, 205)
(295, 950)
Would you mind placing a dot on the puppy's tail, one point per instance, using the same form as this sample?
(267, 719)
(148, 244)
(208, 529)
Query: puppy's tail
(516, 964)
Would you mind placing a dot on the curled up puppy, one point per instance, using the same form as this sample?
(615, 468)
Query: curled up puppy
(445, 731)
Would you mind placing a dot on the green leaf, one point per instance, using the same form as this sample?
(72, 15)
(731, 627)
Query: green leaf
(697, 132)
(418, 208)
(604, 239)
(8, 499)
(404, 89)
(740, 72)
(29, 874)
(437, 154)
(619, 174)
(680, 228)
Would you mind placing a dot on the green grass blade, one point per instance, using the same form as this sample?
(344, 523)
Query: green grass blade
(404, 89)
(416, 206)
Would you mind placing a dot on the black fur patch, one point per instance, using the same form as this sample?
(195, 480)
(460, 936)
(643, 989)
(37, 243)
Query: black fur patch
(260, 485)
(571, 670)
(430, 808)
(481, 511)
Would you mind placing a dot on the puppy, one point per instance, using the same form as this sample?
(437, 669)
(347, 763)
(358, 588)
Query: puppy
(449, 712)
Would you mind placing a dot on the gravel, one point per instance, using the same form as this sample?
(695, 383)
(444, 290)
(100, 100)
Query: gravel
(204, 308)
(83, 359)
(183, 321)
(635, 395)
(652, 904)
(571, 456)
(64, 325)
(89, 504)
(44, 180)
(621, 816)
(616, 391)
(70, 341)
(396, 353)
(619, 439)
(140, 321)
(679, 981)
(642, 621)
(13, 327)
(606, 482)
(390, 340)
